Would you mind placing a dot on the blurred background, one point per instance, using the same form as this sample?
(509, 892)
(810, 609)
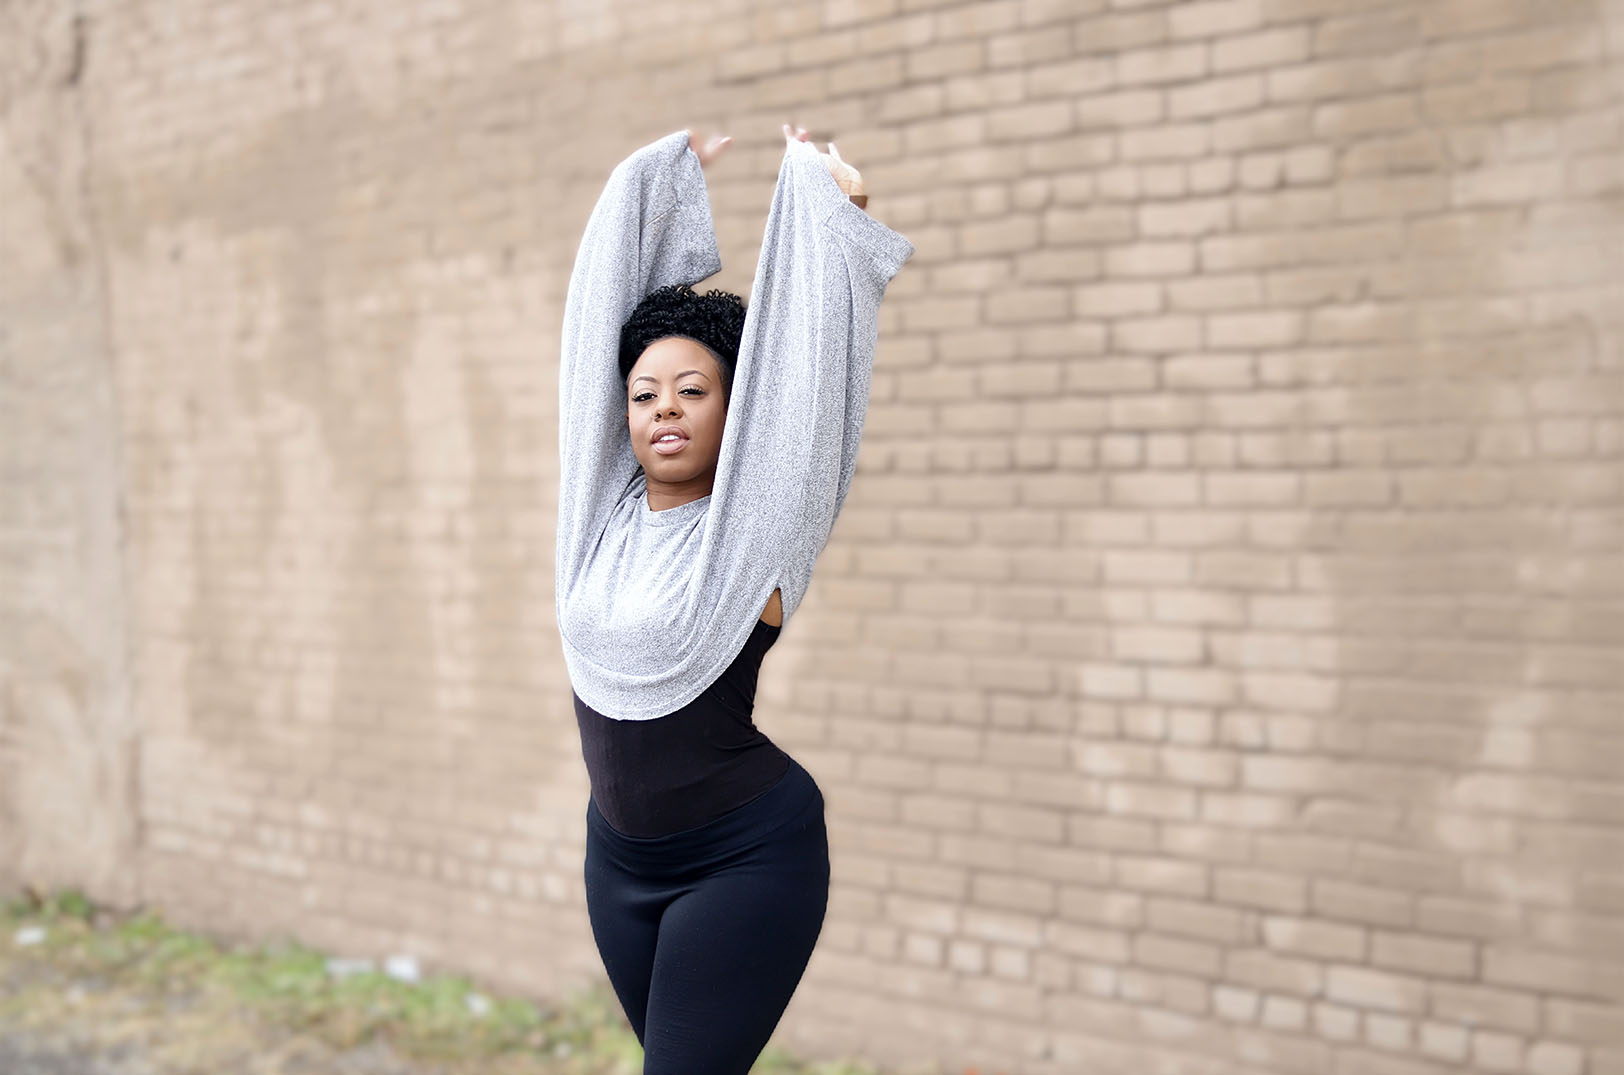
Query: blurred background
(1217, 668)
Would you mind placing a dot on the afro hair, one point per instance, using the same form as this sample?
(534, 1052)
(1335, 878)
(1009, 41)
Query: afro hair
(714, 319)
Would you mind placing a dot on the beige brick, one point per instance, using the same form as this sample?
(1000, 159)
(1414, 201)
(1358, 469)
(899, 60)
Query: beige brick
(984, 89)
(1586, 1022)
(1186, 918)
(1379, 32)
(1261, 889)
(978, 20)
(1003, 927)
(1254, 330)
(1334, 1022)
(1260, 129)
(924, 915)
(1480, 1004)
(1003, 236)
(1328, 941)
(1095, 225)
(1027, 48)
(911, 103)
(1493, 1051)
(967, 957)
(1171, 142)
(1104, 945)
(905, 32)
(1212, 18)
(1029, 122)
(930, 880)
(1284, 1013)
(1101, 906)
(1419, 954)
(1173, 63)
(1515, 965)
(1028, 304)
(1236, 1004)
(1364, 988)
(937, 61)
(1177, 954)
(842, 12)
(1167, 876)
(1013, 892)
(1115, 32)
(1273, 47)
(1115, 109)
(1138, 335)
(1062, 265)
(1266, 970)
(1217, 96)
(870, 73)
(1442, 1040)
(1021, 822)
(1185, 218)
(1554, 1058)
(1063, 864)
(1167, 258)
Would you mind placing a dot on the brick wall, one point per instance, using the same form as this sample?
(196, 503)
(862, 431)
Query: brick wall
(1218, 667)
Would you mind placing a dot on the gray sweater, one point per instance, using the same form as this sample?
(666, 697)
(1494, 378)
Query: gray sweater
(652, 606)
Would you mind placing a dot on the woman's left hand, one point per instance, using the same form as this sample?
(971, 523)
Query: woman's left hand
(849, 178)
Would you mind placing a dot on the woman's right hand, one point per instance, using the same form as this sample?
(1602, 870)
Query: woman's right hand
(712, 148)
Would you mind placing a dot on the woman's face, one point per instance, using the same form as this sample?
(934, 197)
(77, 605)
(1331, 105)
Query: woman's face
(676, 385)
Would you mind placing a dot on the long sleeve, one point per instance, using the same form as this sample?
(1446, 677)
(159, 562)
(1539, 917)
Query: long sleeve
(651, 227)
(800, 396)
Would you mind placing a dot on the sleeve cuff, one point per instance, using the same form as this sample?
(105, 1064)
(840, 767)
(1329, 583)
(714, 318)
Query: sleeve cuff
(887, 248)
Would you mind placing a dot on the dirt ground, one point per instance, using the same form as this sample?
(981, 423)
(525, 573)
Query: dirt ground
(56, 1022)
(83, 994)
(87, 992)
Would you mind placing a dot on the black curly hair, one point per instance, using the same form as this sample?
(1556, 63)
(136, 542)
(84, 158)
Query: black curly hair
(714, 319)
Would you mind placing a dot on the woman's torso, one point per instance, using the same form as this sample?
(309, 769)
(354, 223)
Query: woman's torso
(675, 772)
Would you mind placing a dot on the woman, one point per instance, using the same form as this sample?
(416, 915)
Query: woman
(700, 476)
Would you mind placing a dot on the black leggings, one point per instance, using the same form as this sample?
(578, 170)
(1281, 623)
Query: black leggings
(705, 933)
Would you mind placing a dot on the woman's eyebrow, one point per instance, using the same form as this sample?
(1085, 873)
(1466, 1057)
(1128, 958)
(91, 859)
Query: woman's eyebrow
(684, 373)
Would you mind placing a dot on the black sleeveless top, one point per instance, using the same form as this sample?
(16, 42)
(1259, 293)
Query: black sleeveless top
(660, 776)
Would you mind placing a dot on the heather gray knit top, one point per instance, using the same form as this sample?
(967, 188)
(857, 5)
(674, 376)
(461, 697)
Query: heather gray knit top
(652, 606)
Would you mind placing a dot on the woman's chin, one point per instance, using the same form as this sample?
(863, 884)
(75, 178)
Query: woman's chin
(669, 470)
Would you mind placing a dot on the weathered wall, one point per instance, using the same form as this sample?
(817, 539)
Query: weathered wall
(1218, 667)
(68, 807)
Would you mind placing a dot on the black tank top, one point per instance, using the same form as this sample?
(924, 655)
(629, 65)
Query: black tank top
(660, 776)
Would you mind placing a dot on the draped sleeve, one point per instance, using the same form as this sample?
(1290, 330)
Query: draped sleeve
(800, 394)
(651, 227)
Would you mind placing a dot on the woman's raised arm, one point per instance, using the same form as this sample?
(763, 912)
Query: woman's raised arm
(800, 393)
(651, 227)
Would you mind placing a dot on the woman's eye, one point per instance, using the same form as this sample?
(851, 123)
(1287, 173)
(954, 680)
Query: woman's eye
(692, 391)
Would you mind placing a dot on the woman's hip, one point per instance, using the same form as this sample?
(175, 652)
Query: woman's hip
(781, 829)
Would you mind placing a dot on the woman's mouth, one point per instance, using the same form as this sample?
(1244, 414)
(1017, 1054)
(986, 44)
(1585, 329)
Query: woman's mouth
(670, 445)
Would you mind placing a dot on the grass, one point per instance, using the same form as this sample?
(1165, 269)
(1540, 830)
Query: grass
(285, 990)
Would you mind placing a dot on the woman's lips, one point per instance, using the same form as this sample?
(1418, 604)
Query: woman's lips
(670, 447)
